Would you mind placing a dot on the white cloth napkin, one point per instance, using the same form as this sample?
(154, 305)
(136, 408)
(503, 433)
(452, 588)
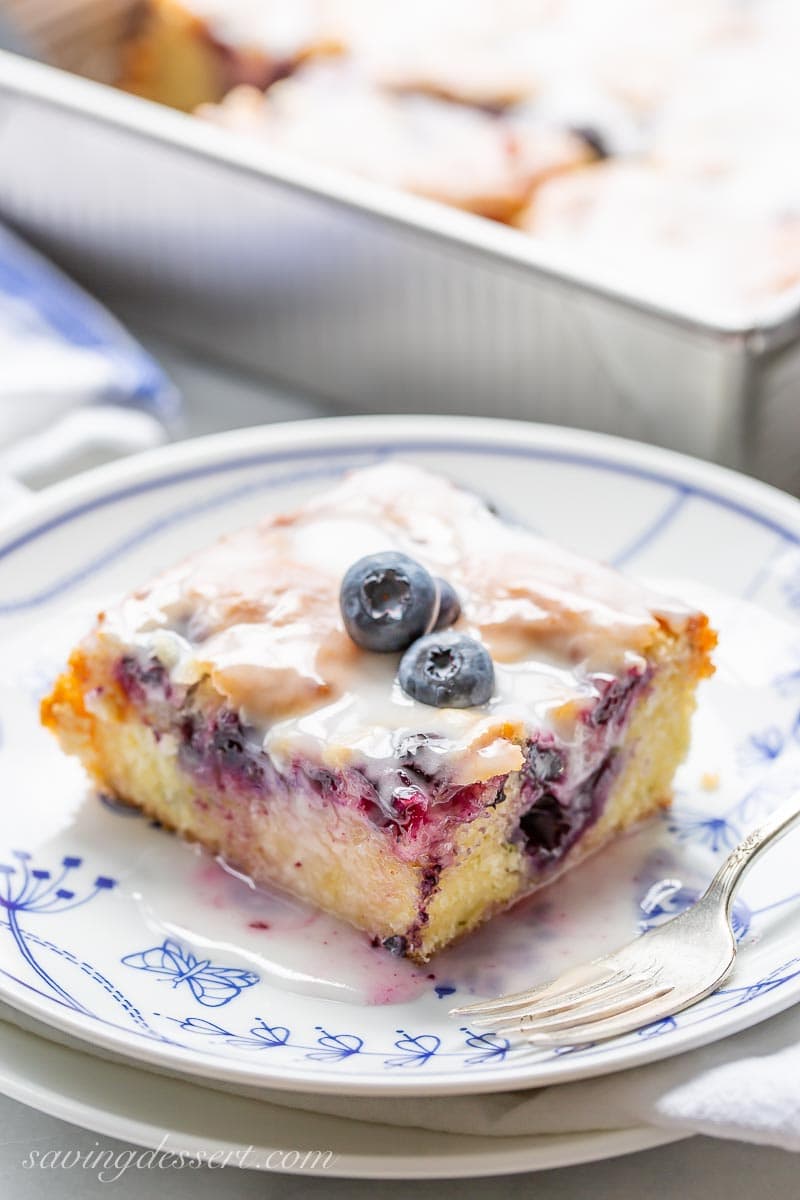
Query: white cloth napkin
(746, 1088)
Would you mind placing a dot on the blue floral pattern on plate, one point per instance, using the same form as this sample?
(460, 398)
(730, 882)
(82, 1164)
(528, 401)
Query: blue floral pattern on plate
(92, 942)
(211, 986)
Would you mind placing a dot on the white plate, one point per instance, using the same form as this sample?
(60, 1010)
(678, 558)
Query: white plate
(118, 933)
(183, 1118)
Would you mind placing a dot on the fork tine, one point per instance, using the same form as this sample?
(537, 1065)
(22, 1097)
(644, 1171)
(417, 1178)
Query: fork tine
(587, 977)
(510, 1000)
(624, 1022)
(585, 1017)
(547, 1003)
(619, 988)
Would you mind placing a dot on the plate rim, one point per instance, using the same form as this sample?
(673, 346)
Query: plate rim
(508, 1155)
(657, 463)
(395, 433)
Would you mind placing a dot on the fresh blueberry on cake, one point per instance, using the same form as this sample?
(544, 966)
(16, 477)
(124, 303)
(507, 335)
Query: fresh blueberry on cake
(448, 670)
(388, 600)
(449, 608)
(432, 710)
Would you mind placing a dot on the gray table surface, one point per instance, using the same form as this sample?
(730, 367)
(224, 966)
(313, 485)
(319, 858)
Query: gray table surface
(696, 1168)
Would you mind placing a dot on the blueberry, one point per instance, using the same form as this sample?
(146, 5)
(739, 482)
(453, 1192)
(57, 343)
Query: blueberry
(396, 944)
(401, 795)
(429, 881)
(545, 763)
(143, 682)
(449, 606)
(321, 781)
(593, 138)
(232, 751)
(419, 751)
(614, 703)
(387, 601)
(545, 825)
(447, 670)
(499, 798)
(228, 740)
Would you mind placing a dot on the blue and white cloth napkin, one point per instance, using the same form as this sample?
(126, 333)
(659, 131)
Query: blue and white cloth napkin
(61, 351)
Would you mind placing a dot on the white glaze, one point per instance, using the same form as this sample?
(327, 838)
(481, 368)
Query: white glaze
(699, 98)
(258, 613)
(450, 152)
(275, 27)
(724, 239)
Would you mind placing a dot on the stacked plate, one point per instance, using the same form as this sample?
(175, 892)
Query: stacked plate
(152, 994)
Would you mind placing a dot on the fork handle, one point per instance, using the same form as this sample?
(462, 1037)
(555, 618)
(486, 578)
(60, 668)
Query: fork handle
(729, 876)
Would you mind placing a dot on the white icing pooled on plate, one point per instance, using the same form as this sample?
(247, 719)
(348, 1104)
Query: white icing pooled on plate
(258, 614)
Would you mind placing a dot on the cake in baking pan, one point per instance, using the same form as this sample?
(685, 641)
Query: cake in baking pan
(477, 103)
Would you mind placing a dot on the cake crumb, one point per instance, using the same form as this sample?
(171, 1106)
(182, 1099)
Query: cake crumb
(709, 781)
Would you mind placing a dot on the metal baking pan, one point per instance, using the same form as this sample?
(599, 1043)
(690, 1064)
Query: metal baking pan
(371, 298)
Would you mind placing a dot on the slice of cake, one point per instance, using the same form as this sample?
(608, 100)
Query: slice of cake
(390, 702)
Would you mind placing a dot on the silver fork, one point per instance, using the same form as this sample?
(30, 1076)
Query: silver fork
(656, 975)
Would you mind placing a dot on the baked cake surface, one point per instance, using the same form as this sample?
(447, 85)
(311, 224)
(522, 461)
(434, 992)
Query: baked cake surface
(476, 103)
(193, 52)
(459, 155)
(228, 699)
